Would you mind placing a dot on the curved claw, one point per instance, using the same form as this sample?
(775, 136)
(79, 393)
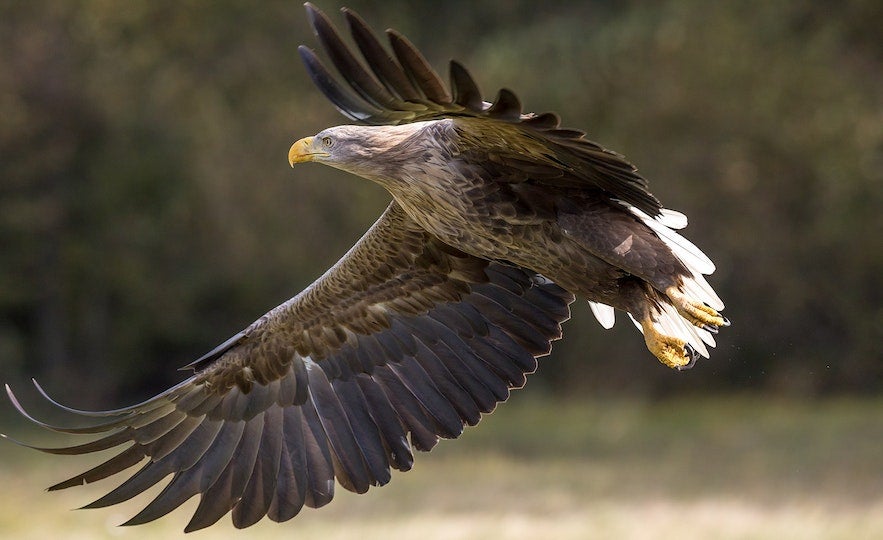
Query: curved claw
(693, 357)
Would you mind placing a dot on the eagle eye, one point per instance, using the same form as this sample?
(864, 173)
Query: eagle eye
(327, 142)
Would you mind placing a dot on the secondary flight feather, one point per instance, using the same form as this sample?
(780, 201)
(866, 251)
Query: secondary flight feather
(499, 219)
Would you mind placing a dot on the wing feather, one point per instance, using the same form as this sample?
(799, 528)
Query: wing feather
(196, 479)
(291, 482)
(364, 429)
(261, 487)
(447, 423)
(350, 467)
(220, 497)
(506, 107)
(390, 424)
(448, 386)
(465, 89)
(381, 63)
(486, 387)
(347, 65)
(418, 69)
(124, 460)
(346, 102)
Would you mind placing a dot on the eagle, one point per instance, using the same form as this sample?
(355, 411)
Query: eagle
(499, 220)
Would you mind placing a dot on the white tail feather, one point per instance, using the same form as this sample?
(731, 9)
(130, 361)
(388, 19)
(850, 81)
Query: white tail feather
(694, 259)
(604, 313)
(636, 323)
(698, 288)
(672, 219)
(686, 251)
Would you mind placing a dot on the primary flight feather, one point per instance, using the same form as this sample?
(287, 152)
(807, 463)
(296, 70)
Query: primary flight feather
(499, 219)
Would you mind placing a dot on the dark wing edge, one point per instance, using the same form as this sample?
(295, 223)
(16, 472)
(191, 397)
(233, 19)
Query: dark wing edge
(402, 87)
(403, 342)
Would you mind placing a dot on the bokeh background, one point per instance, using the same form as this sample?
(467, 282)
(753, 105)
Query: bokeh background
(147, 212)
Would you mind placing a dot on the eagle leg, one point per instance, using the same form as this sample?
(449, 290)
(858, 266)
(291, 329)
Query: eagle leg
(671, 351)
(697, 313)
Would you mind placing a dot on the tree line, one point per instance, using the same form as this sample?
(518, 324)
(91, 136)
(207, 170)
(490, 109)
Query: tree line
(147, 211)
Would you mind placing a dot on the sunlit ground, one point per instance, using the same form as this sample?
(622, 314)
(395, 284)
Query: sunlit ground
(733, 468)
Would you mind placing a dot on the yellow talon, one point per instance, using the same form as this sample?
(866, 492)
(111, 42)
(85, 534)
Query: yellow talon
(696, 312)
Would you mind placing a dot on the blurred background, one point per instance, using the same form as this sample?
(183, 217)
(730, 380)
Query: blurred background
(147, 212)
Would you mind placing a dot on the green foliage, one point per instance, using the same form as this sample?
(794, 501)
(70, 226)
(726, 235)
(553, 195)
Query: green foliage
(147, 211)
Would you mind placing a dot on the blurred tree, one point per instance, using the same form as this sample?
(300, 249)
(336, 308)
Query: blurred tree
(147, 212)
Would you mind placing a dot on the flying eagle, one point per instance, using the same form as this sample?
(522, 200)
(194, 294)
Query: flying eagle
(499, 219)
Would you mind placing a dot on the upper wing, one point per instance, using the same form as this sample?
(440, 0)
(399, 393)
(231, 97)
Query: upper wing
(403, 336)
(403, 87)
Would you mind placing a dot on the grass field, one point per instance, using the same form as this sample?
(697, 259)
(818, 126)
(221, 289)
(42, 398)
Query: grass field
(730, 468)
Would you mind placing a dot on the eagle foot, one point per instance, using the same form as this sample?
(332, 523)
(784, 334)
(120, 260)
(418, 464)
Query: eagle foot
(698, 313)
(671, 351)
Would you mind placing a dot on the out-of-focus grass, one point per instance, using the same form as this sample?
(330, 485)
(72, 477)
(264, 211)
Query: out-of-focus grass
(727, 468)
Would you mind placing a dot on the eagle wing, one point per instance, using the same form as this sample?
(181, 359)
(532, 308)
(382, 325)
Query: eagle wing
(405, 340)
(402, 87)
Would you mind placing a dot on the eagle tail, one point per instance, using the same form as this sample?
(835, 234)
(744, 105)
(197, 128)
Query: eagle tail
(687, 312)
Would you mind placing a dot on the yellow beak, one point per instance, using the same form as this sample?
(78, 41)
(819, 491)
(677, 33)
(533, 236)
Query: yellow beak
(302, 151)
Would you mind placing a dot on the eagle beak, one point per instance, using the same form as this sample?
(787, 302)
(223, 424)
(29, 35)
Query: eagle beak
(302, 151)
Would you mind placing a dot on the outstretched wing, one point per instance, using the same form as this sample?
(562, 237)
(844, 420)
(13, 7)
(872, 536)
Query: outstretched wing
(403, 341)
(402, 87)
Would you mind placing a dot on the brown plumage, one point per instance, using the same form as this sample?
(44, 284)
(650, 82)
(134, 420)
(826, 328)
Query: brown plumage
(498, 219)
